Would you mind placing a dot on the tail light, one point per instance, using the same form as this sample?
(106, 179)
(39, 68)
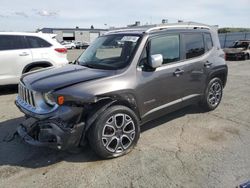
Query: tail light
(61, 50)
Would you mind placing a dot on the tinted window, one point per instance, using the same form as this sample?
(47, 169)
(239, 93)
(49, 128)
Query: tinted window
(194, 45)
(36, 42)
(167, 46)
(11, 42)
(208, 41)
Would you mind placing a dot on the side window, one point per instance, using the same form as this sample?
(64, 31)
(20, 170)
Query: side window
(36, 42)
(194, 45)
(168, 46)
(12, 42)
(208, 41)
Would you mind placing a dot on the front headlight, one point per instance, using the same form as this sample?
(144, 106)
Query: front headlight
(49, 99)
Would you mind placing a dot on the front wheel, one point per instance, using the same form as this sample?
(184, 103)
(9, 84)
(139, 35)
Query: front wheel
(213, 95)
(115, 132)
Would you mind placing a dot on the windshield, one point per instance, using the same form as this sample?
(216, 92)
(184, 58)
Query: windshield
(241, 45)
(109, 52)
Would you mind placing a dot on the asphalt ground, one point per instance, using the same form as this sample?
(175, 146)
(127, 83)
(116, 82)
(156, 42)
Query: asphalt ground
(187, 148)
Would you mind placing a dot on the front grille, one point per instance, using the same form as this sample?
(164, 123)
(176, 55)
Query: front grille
(26, 95)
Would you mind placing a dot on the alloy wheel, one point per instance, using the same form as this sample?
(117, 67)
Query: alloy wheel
(118, 133)
(215, 93)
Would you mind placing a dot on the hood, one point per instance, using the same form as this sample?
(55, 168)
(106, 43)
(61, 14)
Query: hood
(56, 78)
(233, 50)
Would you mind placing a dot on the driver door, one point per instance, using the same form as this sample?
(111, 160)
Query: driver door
(160, 90)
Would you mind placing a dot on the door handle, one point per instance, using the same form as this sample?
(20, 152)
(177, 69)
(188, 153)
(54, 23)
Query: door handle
(24, 54)
(208, 64)
(178, 72)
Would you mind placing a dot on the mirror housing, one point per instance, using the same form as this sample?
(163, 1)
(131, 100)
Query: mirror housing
(156, 61)
(73, 62)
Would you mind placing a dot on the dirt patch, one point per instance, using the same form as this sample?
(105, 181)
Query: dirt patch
(216, 136)
(232, 130)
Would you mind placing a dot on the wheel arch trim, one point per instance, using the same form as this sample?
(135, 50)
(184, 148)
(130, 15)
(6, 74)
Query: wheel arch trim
(36, 63)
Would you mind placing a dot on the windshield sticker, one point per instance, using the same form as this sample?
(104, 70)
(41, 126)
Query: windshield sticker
(130, 38)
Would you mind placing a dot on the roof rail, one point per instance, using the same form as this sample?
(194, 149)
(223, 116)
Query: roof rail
(184, 25)
(125, 29)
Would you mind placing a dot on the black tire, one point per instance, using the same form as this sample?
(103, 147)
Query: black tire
(213, 94)
(108, 139)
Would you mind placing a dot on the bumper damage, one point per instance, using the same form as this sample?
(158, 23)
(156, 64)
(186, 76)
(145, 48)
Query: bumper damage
(50, 134)
(61, 130)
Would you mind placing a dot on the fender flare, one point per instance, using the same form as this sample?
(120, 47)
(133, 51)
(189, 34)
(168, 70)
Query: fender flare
(97, 113)
(36, 63)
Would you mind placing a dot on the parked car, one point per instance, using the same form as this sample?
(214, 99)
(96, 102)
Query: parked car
(24, 52)
(69, 45)
(239, 51)
(81, 45)
(110, 92)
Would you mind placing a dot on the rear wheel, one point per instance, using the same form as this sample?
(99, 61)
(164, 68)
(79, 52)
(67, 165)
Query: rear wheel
(246, 57)
(34, 69)
(213, 94)
(115, 132)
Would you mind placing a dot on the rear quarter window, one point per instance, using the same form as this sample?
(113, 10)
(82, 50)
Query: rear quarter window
(193, 45)
(208, 41)
(12, 42)
(36, 42)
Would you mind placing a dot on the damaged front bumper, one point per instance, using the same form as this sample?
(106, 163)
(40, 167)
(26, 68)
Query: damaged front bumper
(61, 129)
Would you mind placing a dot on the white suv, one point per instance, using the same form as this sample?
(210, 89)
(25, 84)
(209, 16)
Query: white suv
(69, 45)
(24, 52)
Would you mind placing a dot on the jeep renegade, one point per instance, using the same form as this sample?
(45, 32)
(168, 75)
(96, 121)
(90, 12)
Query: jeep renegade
(124, 79)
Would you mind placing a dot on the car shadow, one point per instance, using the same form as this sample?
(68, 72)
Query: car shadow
(9, 89)
(192, 109)
(15, 152)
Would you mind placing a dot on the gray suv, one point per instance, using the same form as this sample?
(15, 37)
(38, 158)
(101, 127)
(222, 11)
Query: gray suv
(124, 79)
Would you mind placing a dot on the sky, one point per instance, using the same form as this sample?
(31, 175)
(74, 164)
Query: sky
(29, 15)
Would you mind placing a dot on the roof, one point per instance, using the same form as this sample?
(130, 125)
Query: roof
(50, 30)
(24, 33)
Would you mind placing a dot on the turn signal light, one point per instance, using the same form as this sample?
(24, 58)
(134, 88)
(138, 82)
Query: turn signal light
(60, 100)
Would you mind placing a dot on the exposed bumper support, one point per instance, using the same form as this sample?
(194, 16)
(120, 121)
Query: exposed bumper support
(61, 129)
(50, 134)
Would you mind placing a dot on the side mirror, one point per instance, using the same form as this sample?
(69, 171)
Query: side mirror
(73, 62)
(156, 61)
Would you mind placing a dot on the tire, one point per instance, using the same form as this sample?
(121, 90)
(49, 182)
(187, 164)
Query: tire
(115, 132)
(34, 69)
(213, 94)
(246, 57)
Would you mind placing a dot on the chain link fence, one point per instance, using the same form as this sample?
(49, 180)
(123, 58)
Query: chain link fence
(227, 39)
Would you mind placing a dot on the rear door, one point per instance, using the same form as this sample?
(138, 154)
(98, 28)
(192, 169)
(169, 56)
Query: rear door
(195, 58)
(14, 55)
(39, 47)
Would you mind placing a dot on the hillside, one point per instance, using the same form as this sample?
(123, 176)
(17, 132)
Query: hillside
(231, 30)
